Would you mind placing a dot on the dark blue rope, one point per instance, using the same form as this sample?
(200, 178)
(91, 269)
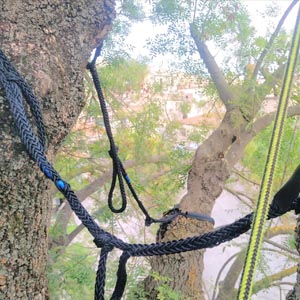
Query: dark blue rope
(15, 89)
(118, 168)
(101, 272)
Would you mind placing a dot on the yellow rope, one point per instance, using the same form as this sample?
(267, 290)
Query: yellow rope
(262, 207)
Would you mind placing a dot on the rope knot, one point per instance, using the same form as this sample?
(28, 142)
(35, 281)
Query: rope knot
(104, 241)
(111, 152)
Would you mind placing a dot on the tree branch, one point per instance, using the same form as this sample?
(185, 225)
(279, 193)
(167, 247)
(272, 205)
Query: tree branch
(280, 230)
(235, 269)
(216, 74)
(238, 196)
(272, 38)
(236, 151)
(220, 272)
(266, 120)
(71, 236)
(65, 213)
(226, 287)
(267, 282)
(235, 171)
(101, 180)
(283, 248)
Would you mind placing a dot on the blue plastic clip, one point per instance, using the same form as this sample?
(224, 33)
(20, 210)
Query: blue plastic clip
(127, 178)
(60, 184)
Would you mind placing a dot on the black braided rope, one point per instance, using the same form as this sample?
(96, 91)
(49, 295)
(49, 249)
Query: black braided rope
(101, 272)
(117, 172)
(13, 76)
(15, 89)
(121, 277)
(118, 168)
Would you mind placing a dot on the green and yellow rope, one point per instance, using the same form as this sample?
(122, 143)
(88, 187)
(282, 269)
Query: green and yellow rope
(262, 207)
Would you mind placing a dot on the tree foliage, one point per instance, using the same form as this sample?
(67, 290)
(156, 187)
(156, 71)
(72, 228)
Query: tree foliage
(142, 129)
(145, 138)
(225, 24)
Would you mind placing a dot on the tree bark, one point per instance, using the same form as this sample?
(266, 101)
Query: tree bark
(206, 180)
(205, 183)
(49, 42)
(212, 165)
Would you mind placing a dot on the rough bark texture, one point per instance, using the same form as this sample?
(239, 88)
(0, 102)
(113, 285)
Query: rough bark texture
(182, 269)
(211, 167)
(205, 183)
(49, 43)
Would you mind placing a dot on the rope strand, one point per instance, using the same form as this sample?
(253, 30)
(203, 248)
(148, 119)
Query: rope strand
(118, 168)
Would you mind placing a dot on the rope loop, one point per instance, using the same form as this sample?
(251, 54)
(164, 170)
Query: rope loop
(11, 75)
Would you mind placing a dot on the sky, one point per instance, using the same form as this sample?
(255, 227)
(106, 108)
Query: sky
(255, 7)
(143, 31)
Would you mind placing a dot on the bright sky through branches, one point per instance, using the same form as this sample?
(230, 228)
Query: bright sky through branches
(143, 31)
(257, 7)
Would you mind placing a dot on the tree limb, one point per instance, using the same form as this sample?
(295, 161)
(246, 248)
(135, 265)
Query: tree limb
(234, 271)
(267, 282)
(72, 235)
(236, 151)
(266, 120)
(216, 74)
(235, 194)
(285, 249)
(220, 272)
(279, 230)
(235, 171)
(226, 293)
(273, 36)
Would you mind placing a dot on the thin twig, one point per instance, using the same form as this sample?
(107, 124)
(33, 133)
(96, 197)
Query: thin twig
(237, 195)
(244, 177)
(220, 273)
(195, 10)
(273, 36)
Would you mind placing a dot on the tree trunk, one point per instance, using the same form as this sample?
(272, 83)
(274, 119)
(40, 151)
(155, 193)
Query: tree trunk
(205, 183)
(49, 42)
(211, 167)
